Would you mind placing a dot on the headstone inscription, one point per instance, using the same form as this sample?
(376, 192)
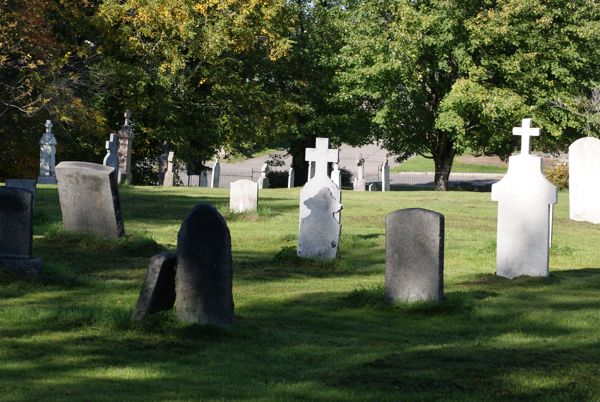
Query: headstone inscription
(524, 223)
(243, 196)
(385, 176)
(89, 199)
(126, 136)
(414, 256)
(320, 207)
(163, 164)
(584, 170)
(216, 174)
(204, 275)
(47, 156)
(359, 182)
(291, 178)
(263, 180)
(112, 146)
(158, 290)
(16, 231)
(169, 179)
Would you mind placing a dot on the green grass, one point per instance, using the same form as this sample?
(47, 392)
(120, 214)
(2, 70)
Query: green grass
(304, 330)
(421, 164)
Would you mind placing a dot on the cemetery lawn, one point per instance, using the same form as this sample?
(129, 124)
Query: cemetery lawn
(462, 164)
(304, 330)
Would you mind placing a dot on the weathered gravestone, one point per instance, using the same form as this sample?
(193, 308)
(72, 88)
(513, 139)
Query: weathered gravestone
(169, 179)
(126, 135)
(584, 172)
(16, 231)
(320, 207)
(47, 156)
(203, 283)
(359, 183)
(158, 290)
(243, 196)
(524, 213)
(263, 180)
(89, 199)
(112, 146)
(414, 256)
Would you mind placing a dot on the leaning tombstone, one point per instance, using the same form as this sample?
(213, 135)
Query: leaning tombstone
(163, 164)
(291, 178)
(263, 180)
(47, 156)
(16, 232)
(524, 200)
(414, 256)
(243, 196)
(126, 136)
(320, 207)
(89, 199)
(584, 170)
(169, 179)
(215, 176)
(158, 290)
(112, 146)
(204, 275)
(359, 183)
(385, 176)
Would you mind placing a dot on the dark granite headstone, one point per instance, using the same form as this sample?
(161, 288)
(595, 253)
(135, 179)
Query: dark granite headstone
(414, 256)
(158, 291)
(16, 231)
(89, 199)
(204, 269)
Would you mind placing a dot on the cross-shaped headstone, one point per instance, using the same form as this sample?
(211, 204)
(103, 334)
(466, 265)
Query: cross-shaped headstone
(321, 155)
(48, 126)
(526, 131)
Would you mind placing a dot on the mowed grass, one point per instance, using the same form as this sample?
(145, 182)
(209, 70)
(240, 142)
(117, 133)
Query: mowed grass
(304, 330)
(421, 164)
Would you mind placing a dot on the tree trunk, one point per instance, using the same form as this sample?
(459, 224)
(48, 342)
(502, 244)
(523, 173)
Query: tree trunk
(443, 158)
(298, 151)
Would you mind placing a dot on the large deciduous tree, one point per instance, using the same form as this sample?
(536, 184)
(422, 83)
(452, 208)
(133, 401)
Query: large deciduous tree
(438, 76)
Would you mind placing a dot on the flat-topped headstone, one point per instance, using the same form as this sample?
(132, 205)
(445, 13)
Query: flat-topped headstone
(243, 196)
(414, 256)
(215, 176)
(111, 159)
(320, 207)
(16, 231)
(89, 199)
(204, 269)
(158, 290)
(47, 156)
(584, 172)
(126, 135)
(524, 198)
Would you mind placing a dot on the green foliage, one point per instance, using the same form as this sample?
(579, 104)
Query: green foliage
(558, 175)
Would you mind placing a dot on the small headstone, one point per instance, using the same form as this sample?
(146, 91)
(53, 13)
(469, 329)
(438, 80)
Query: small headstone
(584, 171)
(414, 256)
(291, 178)
(215, 175)
(158, 290)
(243, 196)
(524, 223)
(163, 164)
(385, 176)
(111, 159)
(320, 207)
(47, 156)
(204, 269)
(16, 231)
(89, 199)
(203, 179)
(336, 175)
(263, 180)
(359, 183)
(126, 136)
(169, 179)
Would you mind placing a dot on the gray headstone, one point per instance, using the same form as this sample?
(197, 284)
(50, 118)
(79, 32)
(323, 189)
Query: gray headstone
(203, 181)
(111, 159)
(158, 290)
(359, 182)
(204, 269)
(126, 135)
(414, 256)
(25, 184)
(216, 175)
(47, 156)
(163, 164)
(243, 196)
(169, 179)
(16, 231)
(89, 199)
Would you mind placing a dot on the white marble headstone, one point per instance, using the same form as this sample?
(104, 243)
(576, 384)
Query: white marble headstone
(336, 175)
(385, 176)
(243, 196)
(584, 173)
(524, 198)
(320, 207)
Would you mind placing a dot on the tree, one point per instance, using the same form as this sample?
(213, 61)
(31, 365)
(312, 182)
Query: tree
(438, 76)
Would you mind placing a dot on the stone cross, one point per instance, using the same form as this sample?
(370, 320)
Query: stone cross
(126, 136)
(526, 131)
(321, 155)
(112, 146)
(47, 156)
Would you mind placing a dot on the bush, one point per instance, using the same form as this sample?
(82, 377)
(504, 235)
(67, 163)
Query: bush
(558, 175)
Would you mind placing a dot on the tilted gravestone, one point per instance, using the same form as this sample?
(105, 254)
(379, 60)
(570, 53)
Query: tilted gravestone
(584, 171)
(414, 256)
(320, 207)
(203, 283)
(243, 196)
(158, 290)
(524, 213)
(16, 231)
(89, 199)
